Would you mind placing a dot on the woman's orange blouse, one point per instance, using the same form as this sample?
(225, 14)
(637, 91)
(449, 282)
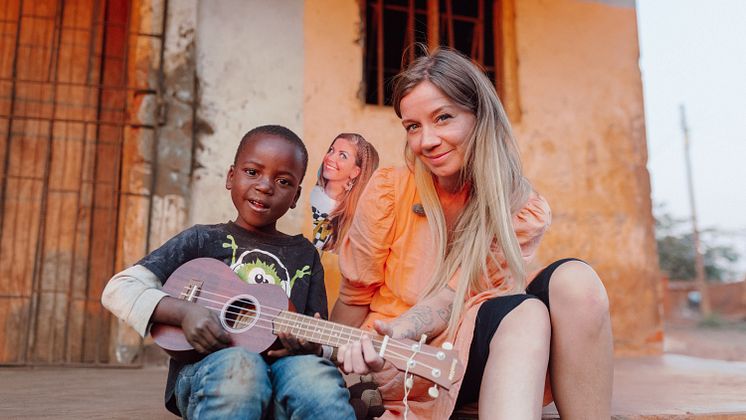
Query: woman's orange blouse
(386, 261)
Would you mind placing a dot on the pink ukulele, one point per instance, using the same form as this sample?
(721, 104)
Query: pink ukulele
(254, 313)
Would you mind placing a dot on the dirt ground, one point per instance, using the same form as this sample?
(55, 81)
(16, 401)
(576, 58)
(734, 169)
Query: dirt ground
(726, 340)
(688, 382)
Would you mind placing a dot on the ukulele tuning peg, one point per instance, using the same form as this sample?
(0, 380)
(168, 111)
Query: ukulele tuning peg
(447, 345)
(433, 391)
(418, 346)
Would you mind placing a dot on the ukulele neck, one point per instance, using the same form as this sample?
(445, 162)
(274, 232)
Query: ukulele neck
(316, 330)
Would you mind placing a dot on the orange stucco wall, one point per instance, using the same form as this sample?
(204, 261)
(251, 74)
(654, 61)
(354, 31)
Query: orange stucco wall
(332, 83)
(581, 134)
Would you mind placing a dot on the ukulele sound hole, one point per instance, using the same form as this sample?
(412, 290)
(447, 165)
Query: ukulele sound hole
(240, 314)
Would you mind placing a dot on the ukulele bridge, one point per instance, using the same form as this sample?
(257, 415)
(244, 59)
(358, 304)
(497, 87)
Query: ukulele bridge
(191, 291)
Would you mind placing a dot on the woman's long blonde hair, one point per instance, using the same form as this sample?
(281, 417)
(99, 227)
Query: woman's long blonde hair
(366, 158)
(492, 170)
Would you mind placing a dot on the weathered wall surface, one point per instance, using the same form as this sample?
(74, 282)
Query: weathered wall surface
(333, 82)
(581, 134)
(173, 151)
(250, 73)
(583, 142)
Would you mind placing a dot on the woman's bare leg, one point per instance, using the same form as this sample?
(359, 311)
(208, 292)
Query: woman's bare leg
(581, 361)
(513, 380)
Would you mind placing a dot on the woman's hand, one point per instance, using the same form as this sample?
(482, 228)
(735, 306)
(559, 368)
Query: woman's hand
(360, 356)
(429, 317)
(295, 346)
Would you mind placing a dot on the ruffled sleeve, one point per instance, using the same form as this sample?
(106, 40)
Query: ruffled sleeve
(364, 250)
(530, 224)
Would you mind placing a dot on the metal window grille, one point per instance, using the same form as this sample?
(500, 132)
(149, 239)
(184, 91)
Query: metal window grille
(392, 27)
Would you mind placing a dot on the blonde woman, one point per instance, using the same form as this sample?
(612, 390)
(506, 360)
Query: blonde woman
(344, 172)
(441, 247)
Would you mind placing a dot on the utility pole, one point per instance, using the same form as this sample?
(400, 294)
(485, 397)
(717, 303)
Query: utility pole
(699, 261)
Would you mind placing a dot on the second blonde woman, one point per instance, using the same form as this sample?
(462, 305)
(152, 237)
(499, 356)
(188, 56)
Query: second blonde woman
(345, 170)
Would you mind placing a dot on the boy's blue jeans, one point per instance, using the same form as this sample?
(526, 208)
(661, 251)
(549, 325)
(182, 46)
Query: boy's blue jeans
(235, 383)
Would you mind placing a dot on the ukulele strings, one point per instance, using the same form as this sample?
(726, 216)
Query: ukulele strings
(395, 343)
(345, 335)
(351, 333)
(348, 332)
(390, 354)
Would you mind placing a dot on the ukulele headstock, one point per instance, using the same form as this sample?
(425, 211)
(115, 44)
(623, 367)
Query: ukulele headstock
(438, 365)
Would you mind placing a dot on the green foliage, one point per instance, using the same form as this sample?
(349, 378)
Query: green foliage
(676, 251)
(712, 321)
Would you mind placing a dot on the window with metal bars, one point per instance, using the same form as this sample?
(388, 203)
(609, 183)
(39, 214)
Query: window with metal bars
(392, 27)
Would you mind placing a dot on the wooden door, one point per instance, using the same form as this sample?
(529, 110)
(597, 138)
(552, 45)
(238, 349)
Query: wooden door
(64, 114)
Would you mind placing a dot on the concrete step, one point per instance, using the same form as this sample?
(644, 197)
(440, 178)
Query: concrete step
(650, 388)
(671, 387)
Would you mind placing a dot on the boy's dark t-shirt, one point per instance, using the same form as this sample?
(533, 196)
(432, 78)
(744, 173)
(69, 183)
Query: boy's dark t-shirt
(291, 262)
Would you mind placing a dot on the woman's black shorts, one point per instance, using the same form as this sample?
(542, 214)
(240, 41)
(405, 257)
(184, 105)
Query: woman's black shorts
(490, 314)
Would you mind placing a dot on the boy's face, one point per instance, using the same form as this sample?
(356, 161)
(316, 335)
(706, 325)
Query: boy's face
(265, 181)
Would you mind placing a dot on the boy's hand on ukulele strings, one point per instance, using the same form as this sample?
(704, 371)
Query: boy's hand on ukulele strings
(294, 346)
(203, 331)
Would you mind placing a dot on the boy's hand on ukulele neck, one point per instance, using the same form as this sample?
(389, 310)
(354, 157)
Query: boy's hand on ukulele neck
(203, 331)
(294, 346)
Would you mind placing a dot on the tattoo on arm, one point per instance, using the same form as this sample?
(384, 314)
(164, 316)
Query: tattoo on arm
(421, 318)
(445, 313)
(409, 333)
(425, 319)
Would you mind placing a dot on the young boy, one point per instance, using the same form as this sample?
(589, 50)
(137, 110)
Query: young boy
(232, 382)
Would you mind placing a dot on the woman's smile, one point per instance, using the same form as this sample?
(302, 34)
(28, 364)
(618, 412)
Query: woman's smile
(340, 161)
(437, 131)
(438, 158)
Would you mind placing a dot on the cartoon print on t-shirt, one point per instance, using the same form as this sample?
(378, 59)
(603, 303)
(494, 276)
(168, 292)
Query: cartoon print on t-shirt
(257, 266)
(232, 245)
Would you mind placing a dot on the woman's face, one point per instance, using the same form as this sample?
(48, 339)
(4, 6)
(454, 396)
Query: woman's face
(339, 161)
(437, 131)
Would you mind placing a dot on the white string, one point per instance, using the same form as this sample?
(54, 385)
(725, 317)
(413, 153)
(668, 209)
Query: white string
(407, 377)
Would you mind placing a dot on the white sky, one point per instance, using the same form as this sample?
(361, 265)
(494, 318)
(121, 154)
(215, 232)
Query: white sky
(694, 53)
